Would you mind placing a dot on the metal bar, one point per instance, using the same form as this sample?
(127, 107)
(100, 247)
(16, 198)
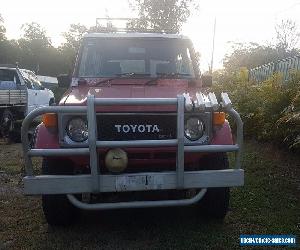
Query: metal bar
(72, 184)
(136, 204)
(136, 143)
(180, 138)
(94, 161)
(212, 148)
(143, 143)
(58, 152)
(114, 144)
(135, 101)
(27, 122)
(58, 109)
(239, 136)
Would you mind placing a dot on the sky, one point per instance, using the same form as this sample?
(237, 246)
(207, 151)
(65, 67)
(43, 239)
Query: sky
(236, 20)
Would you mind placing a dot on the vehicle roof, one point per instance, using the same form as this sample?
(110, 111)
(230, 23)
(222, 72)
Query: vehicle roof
(8, 67)
(136, 35)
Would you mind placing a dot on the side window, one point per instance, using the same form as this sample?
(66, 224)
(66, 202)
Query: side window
(17, 79)
(184, 63)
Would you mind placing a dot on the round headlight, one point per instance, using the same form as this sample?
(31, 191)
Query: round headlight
(77, 129)
(193, 128)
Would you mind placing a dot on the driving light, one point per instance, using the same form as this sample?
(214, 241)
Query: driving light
(193, 128)
(77, 129)
(116, 160)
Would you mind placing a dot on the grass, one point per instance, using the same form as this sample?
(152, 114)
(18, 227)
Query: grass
(268, 204)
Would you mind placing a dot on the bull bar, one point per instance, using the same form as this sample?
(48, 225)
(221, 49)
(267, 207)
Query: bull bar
(95, 182)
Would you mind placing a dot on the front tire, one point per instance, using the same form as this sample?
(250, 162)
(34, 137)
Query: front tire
(57, 208)
(215, 203)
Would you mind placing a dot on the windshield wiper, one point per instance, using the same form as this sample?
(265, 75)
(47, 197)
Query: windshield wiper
(152, 81)
(172, 74)
(118, 76)
(106, 81)
(133, 74)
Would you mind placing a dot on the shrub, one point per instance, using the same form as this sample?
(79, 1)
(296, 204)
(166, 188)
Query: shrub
(270, 110)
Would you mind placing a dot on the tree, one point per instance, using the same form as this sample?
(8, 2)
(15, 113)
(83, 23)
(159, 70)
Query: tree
(2, 29)
(36, 51)
(34, 32)
(287, 35)
(69, 49)
(160, 15)
(249, 55)
(74, 35)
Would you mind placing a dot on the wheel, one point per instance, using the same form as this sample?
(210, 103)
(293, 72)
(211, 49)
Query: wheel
(7, 123)
(15, 135)
(57, 209)
(9, 128)
(215, 202)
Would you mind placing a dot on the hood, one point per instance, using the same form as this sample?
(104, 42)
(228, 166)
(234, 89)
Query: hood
(162, 89)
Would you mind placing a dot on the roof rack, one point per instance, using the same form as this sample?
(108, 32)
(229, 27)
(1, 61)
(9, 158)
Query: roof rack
(108, 25)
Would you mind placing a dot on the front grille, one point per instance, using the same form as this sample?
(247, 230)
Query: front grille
(124, 127)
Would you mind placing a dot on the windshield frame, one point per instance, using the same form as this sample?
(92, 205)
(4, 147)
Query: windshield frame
(194, 65)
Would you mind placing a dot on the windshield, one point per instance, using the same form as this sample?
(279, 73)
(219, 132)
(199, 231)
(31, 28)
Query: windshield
(31, 79)
(107, 57)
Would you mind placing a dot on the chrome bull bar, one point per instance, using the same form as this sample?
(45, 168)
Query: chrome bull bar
(97, 182)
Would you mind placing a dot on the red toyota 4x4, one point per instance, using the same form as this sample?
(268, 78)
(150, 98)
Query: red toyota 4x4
(137, 128)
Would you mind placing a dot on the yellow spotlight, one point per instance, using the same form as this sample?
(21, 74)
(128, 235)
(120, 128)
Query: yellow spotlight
(116, 160)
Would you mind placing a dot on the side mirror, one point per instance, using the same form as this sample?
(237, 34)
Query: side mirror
(63, 80)
(206, 80)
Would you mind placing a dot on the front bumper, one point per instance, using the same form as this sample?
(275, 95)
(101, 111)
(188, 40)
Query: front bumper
(65, 184)
(99, 183)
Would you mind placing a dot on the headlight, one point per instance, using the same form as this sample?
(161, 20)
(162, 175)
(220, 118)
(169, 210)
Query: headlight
(193, 128)
(77, 129)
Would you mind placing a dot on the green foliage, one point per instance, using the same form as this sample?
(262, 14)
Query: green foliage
(74, 35)
(2, 29)
(287, 35)
(290, 122)
(34, 51)
(161, 15)
(251, 55)
(270, 110)
(34, 32)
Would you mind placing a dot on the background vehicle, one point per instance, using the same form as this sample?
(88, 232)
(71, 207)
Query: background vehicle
(20, 93)
(136, 129)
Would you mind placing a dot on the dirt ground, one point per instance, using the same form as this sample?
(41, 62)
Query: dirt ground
(269, 203)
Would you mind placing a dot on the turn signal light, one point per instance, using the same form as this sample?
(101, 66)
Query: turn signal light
(50, 120)
(219, 118)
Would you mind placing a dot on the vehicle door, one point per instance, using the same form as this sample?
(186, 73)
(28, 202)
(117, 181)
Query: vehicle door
(31, 95)
(42, 97)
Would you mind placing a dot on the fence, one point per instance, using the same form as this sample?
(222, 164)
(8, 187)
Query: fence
(284, 66)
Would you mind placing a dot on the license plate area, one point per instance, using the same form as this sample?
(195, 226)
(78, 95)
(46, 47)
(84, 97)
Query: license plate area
(138, 182)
